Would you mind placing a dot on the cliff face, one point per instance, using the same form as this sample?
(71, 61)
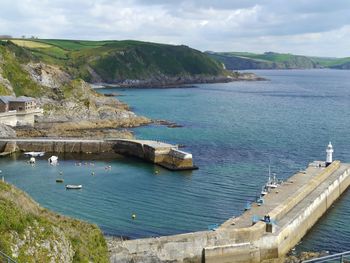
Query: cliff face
(128, 63)
(29, 233)
(63, 98)
(268, 60)
(272, 60)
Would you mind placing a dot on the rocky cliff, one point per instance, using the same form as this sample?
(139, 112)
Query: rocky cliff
(30, 233)
(71, 106)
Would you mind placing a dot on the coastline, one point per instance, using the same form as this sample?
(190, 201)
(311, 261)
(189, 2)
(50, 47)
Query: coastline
(176, 82)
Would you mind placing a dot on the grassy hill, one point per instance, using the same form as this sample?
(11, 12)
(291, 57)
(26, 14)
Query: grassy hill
(272, 60)
(30, 233)
(114, 61)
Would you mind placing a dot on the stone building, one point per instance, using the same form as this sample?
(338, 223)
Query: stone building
(11, 103)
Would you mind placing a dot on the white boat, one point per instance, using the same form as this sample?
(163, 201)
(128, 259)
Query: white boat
(53, 160)
(35, 154)
(271, 182)
(74, 186)
(264, 190)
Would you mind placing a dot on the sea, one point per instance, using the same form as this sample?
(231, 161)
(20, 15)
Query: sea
(235, 131)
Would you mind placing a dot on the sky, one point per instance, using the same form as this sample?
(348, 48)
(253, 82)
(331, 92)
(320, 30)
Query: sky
(306, 27)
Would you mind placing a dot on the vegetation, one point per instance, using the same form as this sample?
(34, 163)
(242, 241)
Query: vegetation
(33, 234)
(272, 60)
(21, 81)
(114, 61)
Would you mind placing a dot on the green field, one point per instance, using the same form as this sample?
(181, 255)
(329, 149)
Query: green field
(114, 61)
(271, 60)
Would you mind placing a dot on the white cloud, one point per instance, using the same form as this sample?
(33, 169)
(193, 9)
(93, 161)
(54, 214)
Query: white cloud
(313, 27)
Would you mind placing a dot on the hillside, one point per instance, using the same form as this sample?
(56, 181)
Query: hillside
(71, 106)
(30, 233)
(271, 60)
(127, 62)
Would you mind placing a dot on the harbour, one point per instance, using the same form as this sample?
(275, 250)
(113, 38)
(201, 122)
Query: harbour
(237, 169)
(292, 209)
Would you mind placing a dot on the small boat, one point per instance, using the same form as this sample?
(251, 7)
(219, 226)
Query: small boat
(271, 182)
(59, 180)
(264, 190)
(35, 154)
(53, 160)
(74, 186)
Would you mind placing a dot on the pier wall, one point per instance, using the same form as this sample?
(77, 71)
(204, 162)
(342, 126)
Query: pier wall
(293, 232)
(295, 216)
(163, 154)
(21, 118)
(65, 146)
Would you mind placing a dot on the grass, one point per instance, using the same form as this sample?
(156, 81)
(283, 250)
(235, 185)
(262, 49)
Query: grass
(287, 59)
(115, 61)
(20, 216)
(30, 44)
(21, 82)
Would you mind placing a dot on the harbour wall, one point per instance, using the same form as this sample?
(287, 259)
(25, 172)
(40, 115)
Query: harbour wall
(163, 154)
(22, 118)
(295, 216)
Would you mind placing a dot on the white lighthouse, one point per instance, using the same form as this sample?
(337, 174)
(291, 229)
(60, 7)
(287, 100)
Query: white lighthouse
(329, 152)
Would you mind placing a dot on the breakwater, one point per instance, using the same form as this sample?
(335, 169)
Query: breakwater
(163, 154)
(294, 207)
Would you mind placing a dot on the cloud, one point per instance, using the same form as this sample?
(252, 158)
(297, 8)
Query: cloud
(241, 25)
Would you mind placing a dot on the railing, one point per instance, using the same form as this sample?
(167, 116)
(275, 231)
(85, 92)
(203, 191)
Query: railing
(340, 257)
(5, 258)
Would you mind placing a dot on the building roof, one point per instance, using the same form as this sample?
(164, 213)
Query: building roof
(7, 99)
(24, 99)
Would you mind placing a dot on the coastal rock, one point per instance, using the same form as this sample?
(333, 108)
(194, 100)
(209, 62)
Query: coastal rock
(6, 131)
(47, 75)
(165, 81)
(169, 124)
(30, 233)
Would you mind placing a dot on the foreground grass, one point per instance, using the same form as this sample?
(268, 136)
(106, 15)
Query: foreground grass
(29, 233)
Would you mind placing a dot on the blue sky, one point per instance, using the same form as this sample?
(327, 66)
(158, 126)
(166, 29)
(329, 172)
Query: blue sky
(310, 27)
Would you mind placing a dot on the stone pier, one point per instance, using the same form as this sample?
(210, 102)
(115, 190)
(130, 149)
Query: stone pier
(294, 207)
(163, 154)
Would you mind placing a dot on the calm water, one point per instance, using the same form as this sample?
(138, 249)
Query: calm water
(234, 131)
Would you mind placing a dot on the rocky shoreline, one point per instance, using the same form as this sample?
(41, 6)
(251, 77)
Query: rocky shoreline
(177, 82)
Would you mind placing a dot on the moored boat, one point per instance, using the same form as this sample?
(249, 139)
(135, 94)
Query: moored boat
(74, 186)
(35, 154)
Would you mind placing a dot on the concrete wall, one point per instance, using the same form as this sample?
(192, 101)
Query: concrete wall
(250, 244)
(66, 146)
(19, 118)
(166, 156)
(8, 118)
(300, 225)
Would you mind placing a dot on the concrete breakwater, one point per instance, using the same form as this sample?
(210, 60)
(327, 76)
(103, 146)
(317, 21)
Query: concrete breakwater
(166, 155)
(294, 207)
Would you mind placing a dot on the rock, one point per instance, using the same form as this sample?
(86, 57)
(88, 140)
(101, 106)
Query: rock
(6, 131)
(47, 75)
(169, 124)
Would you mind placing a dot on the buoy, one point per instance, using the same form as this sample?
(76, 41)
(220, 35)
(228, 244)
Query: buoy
(133, 216)
(93, 173)
(61, 173)
(156, 172)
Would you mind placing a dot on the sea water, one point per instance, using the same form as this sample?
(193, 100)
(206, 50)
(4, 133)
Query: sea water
(234, 131)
